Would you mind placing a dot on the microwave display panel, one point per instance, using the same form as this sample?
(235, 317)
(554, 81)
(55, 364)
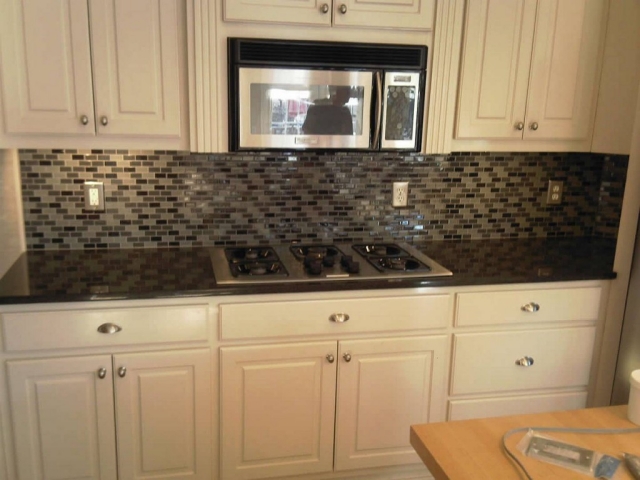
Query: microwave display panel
(402, 98)
(401, 105)
(285, 109)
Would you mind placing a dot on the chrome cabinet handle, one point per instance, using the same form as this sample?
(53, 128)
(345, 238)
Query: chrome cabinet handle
(519, 126)
(102, 373)
(324, 8)
(339, 317)
(330, 358)
(109, 328)
(84, 120)
(122, 371)
(343, 9)
(530, 307)
(376, 134)
(347, 357)
(104, 121)
(534, 126)
(524, 362)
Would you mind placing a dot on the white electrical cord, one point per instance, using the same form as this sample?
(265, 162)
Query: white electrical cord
(591, 431)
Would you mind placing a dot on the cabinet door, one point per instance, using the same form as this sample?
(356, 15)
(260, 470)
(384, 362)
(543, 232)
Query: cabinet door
(277, 412)
(397, 14)
(46, 67)
(163, 414)
(564, 69)
(384, 387)
(301, 12)
(495, 68)
(62, 414)
(136, 66)
(489, 362)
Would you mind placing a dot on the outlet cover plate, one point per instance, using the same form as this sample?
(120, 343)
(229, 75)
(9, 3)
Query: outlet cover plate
(554, 192)
(94, 196)
(400, 194)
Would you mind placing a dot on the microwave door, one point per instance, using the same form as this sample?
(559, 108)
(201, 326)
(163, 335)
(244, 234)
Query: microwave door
(401, 99)
(304, 108)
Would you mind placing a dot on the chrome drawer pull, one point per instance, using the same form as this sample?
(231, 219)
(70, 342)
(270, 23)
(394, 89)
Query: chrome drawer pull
(102, 373)
(330, 358)
(339, 317)
(347, 357)
(109, 328)
(530, 307)
(122, 371)
(524, 362)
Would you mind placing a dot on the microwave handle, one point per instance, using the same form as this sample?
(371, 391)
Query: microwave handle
(378, 89)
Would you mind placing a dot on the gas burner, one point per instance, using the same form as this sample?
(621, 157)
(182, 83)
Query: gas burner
(257, 269)
(242, 254)
(316, 257)
(302, 252)
(407, 264)
(380, 250)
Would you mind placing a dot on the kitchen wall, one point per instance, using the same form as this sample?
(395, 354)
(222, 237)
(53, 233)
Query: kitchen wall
(160, 199)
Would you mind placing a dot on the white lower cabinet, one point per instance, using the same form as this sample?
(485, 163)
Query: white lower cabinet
(523, 350)
(299, 408)
(70, 416)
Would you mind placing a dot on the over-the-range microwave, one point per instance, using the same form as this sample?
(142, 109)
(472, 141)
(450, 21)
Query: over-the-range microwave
(290, 94)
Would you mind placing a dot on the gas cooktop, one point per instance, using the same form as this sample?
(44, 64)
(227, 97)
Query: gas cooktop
(306, 263)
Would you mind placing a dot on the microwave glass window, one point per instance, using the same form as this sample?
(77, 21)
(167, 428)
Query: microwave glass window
(401, 103)
(306, 110)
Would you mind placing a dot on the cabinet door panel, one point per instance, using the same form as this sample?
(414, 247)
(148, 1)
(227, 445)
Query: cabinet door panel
(46, 66)
(503, 406)
(487, 362)
(163, 415)
(495, 68)
(562, 92)
(63, 418)
(136, 66)
(387, 385)
(398, 14)
(303, 12)
(277, 413)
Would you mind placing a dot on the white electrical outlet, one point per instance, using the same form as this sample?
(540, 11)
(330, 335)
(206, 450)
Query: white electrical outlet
(400, 194)
(554, 192)
(94, 196)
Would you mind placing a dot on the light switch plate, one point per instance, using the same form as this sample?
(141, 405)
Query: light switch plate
(94, 196)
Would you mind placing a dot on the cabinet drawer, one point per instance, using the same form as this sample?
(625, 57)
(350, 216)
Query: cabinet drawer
(509, 307)
(297, 318)
(486, 362)
(79, 328)
(499, 407)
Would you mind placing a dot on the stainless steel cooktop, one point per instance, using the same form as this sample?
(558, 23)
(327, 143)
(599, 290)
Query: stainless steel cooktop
(330, 262)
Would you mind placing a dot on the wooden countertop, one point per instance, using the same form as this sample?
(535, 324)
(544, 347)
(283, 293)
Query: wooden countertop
(466, 449)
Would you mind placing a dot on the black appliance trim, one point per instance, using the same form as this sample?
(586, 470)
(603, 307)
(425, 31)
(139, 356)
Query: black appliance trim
(340, 55)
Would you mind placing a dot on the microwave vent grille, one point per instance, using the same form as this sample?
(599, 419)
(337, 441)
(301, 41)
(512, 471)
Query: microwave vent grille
(327, 54)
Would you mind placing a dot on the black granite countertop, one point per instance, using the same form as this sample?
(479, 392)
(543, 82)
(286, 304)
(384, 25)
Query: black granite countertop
(80, 275)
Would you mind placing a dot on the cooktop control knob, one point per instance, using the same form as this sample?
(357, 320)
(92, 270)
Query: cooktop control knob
(314, 268)
(353, 267)
(346, 260)
(328, 261)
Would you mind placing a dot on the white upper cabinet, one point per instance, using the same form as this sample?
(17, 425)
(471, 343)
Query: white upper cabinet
(46, 67)
(62, 57)
(398, 14)
(530, 69)
(135, 58)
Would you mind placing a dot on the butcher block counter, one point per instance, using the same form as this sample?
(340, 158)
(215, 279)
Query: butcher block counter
(472, 448)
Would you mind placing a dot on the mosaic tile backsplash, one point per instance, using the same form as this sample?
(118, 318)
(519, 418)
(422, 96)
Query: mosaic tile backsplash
(179, 199)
